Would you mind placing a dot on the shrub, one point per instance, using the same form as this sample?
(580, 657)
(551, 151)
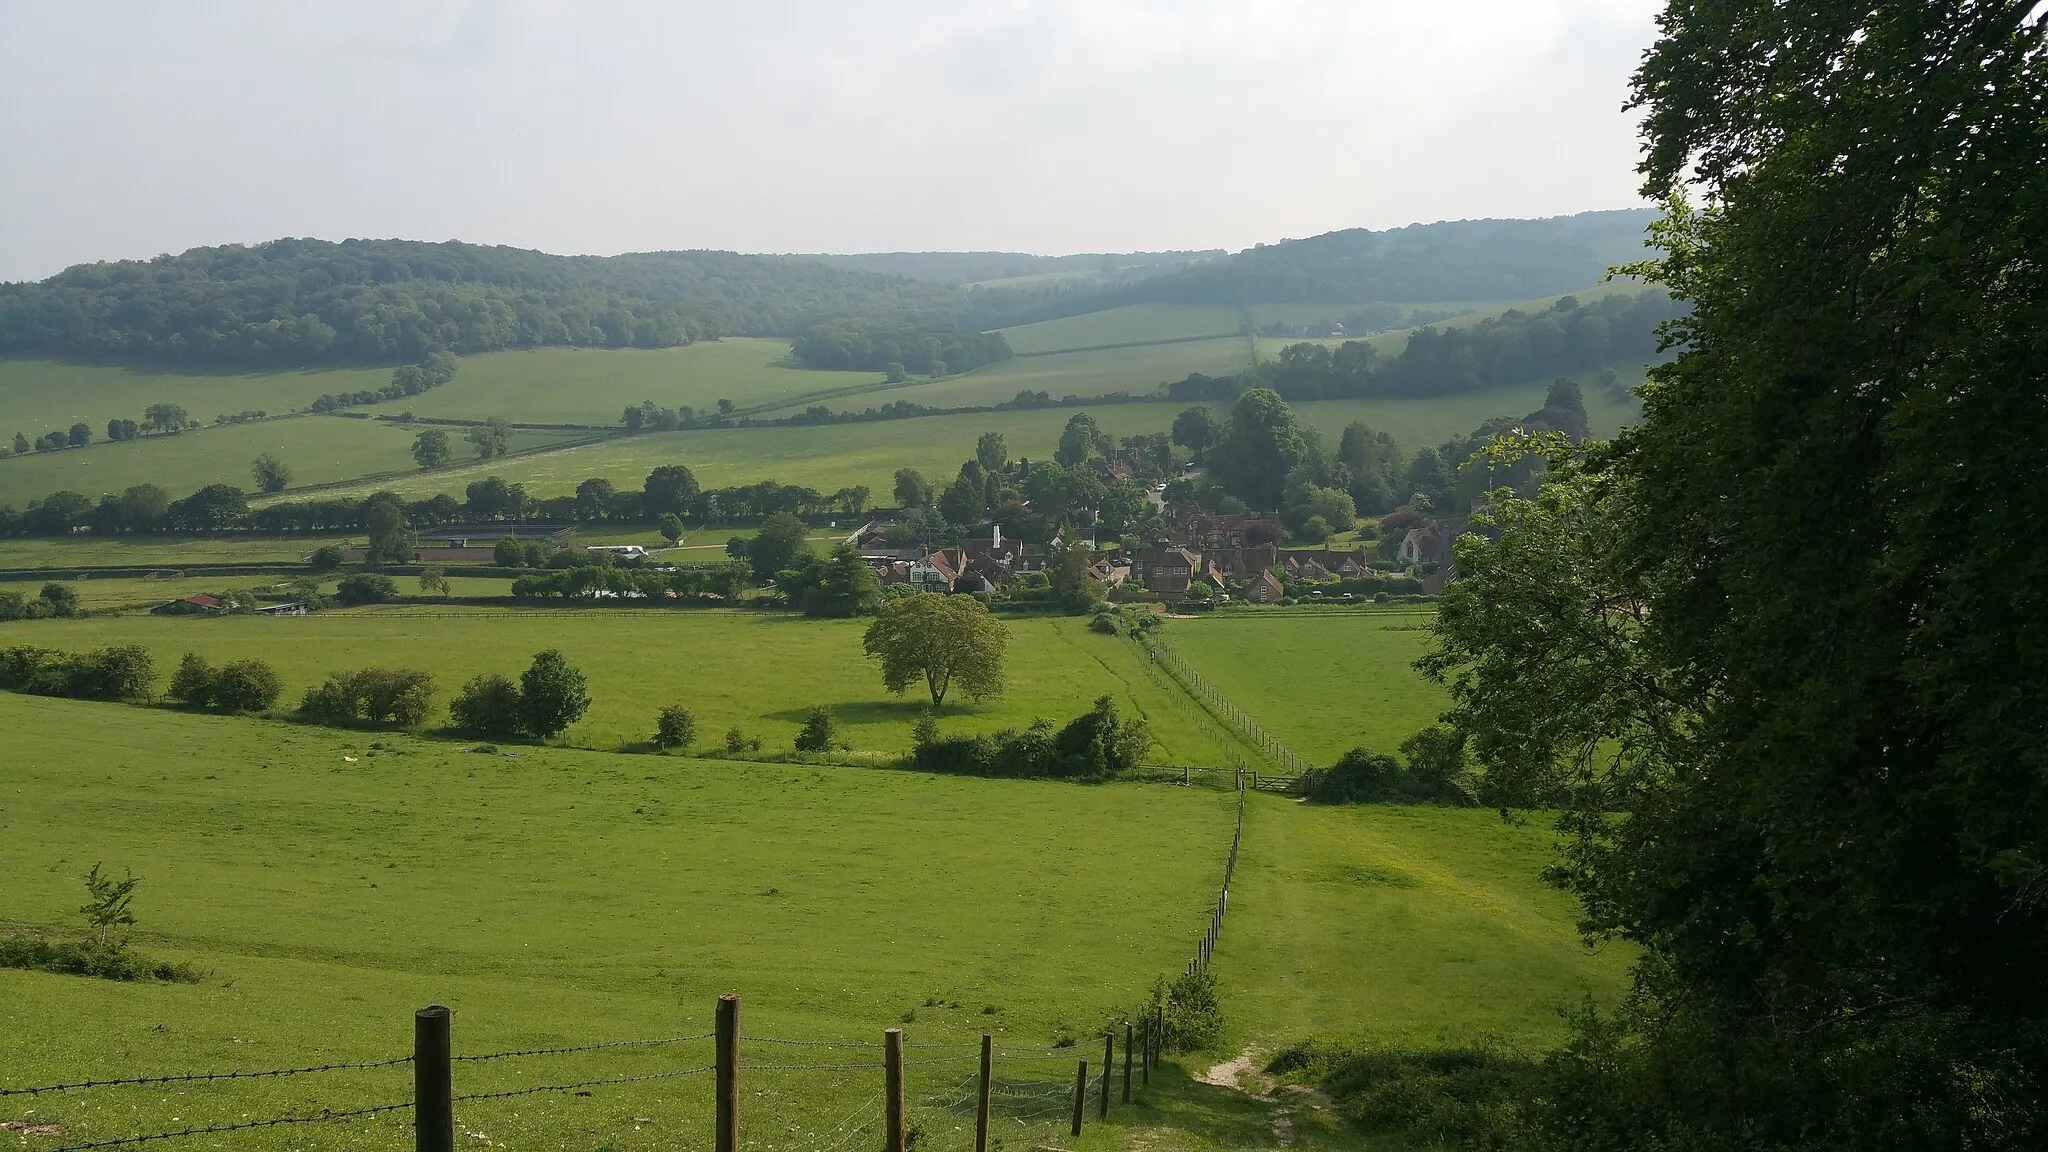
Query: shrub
(487, 704)
(1463, 1097)
(1098, 743)
(1095, 744)
(120, 673)
(508, 553)
(244, 686)
(325, 558)
(675, 728)
(820, 732)
(1358, 777)
(398, 697)
(365, 588)
(1105, 623)
(1194, 1017)
(192, 683)
(551, 694)
(925, 731)
(89, 958)
(735, 740)
(1437, 772)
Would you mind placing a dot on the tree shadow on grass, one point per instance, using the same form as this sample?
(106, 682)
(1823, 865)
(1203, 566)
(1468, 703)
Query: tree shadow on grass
(904, 711)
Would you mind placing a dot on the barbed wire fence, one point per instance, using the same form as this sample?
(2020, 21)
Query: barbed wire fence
(1029, 1103)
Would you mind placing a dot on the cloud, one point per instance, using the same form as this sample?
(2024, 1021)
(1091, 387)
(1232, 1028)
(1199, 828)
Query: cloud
(1047, 125)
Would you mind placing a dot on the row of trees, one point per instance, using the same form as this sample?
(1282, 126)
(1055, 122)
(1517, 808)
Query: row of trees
(431, 371)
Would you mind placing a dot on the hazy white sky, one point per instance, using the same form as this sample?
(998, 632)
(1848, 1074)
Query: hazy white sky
(778, 125)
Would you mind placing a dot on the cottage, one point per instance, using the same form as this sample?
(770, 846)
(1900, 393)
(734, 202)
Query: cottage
(1264, 589)
(1165, 569)
(1421, 545)
(196, 605)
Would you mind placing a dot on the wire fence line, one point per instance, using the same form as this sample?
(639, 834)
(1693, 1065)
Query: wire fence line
(203, 1076)
(273, 1122)
(1219, 707)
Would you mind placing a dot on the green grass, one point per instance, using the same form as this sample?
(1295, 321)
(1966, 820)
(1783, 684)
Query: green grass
(39, 394)
(1137, 370)
(1126, 325)
(759, 671)
(318, 450)
(592, 386)
(1400, 926)
(88, 551)
(555, 898)
(1323, 682)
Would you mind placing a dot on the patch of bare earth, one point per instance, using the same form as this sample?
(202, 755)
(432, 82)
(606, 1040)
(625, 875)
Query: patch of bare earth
(1241, 1074)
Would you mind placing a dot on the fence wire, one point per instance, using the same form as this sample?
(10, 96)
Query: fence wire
(670, 1075)
(199, 1076)
(217, 1128)
(584, 1047)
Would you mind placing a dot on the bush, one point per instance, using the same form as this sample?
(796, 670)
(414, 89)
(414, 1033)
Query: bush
(244, 686)
(735, 740)
(552, 695)
(1462, 1097)
(365, 588)
(820, 732)
(397, 697)
(192, 683)
(1437, 772)
(675, 728)
(89, 958)
(1194, 1017)
(120, 673)
(1095, 744)
(325, 558)
(488, 704)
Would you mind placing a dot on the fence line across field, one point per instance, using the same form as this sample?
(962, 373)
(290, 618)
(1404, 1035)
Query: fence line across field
(1219, 707)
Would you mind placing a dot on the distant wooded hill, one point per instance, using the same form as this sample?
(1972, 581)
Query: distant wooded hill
(298, 302)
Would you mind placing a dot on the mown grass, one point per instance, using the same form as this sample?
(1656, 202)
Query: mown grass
(592, 385)
(1137, 370)
(1322, 681)
(1126, 325)
(318, 450)
(759, 671)
(40, 394)
(332, 882)
(1396, 925)
(157, 551)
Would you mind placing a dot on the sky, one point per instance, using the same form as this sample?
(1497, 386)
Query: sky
(604, 126)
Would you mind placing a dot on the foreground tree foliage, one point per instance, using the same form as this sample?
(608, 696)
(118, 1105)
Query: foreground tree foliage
(941, 640)
(1777, 650)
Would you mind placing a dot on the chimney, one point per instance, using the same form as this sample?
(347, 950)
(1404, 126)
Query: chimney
(996, 530)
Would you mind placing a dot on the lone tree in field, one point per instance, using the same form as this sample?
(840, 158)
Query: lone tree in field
(671, 526)
(431, 449)
(941, 640)
(270, 473)
(552, 695)
(491, 439)
(107, 905)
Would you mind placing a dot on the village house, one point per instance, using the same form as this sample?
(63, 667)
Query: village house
(196, 605)
(1423, 545)
(1264, 589)
(1165, 569)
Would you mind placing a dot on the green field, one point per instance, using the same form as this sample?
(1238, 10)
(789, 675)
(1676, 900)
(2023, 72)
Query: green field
(592, 385)
(1137, 370)
(318, 450)
(759, 671)
(1322, 681)
(556, 898)
(39, 395)
(1401, 926)
(87, 551)
(1127, 325)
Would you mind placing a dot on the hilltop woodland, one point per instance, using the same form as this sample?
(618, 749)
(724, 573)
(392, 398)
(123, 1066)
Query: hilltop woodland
(1770, 650)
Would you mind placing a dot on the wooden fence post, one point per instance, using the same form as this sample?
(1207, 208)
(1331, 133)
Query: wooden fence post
(1080, 1094)
(433, 1105)
(727, 1057)
(1108, 1068)
(1127, 1061)
(892, 1090)
(981, 1097)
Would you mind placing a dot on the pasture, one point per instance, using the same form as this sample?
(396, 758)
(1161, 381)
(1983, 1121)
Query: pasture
(592, 385)
(1137, 370)
(40, 394)
(759, 671)
(1127, 325)
(331, 882)
(318, 450)
(1323, 681)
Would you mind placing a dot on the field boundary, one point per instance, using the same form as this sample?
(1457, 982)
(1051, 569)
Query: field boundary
(1220, 707)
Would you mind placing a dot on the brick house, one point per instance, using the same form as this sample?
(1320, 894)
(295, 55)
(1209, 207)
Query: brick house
(1264, 589)
(1165, 569)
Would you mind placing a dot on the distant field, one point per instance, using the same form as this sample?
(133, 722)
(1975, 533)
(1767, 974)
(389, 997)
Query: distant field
(560, 898)
(832, 456)
(318, 449)
(39, 395)
(156, 551)
(592, 385)
(1129, 324)
(1402, 926)
(1322, 683)
(759, 671)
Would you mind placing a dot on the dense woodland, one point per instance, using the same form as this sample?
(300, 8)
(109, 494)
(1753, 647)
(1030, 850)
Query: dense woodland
(877, 346)
(291, 302)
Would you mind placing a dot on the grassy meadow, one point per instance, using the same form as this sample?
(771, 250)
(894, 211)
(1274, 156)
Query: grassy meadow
(759, 671)
(1126, 325)
(592, 385)
(331, 882)
(318, 450)
(40, 394)
(1323, 682)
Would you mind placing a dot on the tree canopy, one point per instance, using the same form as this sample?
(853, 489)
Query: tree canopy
(942, 640)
